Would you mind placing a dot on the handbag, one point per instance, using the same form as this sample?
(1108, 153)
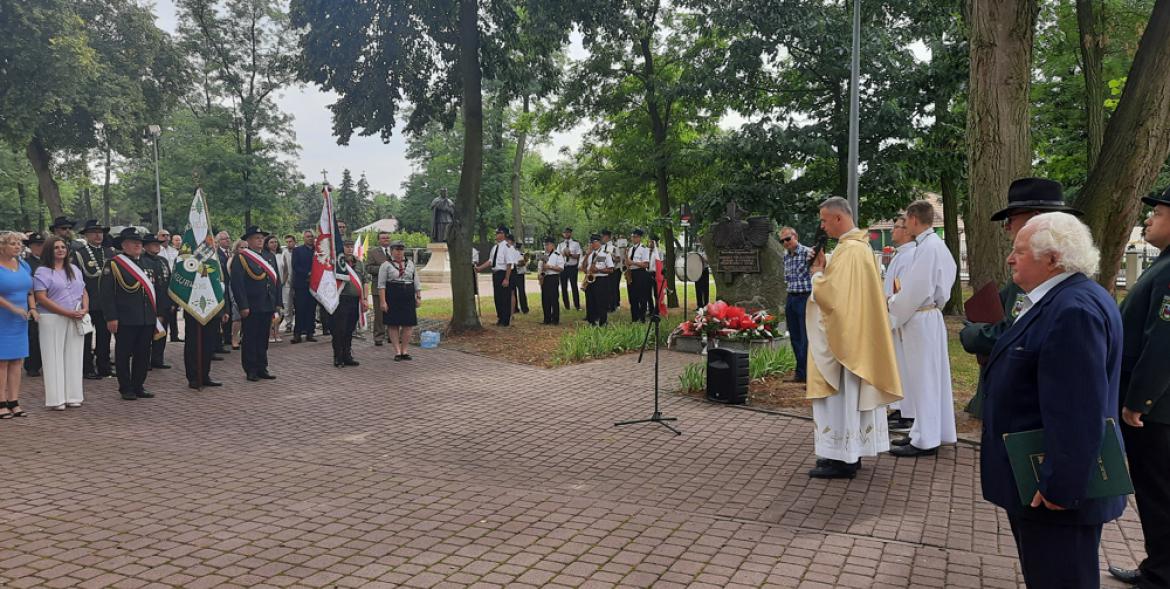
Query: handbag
(84, 325)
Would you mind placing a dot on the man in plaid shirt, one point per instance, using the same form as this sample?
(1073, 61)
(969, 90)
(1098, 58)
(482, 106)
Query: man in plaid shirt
(799, 281)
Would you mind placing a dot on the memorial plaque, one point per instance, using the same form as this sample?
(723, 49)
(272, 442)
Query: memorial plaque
(739, 261)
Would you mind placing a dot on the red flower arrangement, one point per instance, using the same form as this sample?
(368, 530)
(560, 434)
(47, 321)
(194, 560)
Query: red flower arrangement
(723, 321)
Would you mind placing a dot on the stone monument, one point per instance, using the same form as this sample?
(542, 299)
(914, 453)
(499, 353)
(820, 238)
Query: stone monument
(438, 268)
(747, 261)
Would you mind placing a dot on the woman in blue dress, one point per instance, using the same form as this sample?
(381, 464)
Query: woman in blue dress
(17, 306)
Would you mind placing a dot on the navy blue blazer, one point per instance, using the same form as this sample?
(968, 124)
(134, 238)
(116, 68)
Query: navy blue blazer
(1056, 368)
(302, 265)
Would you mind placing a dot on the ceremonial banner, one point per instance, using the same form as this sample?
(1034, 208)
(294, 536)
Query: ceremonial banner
(659, 288)
(323, 280)
(197, 280)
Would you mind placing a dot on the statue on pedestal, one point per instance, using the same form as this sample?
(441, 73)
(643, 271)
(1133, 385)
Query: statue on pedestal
(443, 216)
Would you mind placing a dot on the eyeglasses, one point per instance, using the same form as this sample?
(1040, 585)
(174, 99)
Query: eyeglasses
(785, 239)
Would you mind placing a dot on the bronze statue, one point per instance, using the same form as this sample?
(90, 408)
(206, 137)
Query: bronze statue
(443, 216)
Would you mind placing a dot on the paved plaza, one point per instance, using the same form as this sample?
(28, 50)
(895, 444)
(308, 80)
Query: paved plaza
(459, 470)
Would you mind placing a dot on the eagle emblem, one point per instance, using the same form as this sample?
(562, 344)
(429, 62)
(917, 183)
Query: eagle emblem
(1164, 311)
(731, 232)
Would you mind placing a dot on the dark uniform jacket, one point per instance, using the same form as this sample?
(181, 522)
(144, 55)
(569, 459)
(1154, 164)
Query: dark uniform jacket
(34, 262)
(126, 301)
(160, 271)
(302, 266)
(95, 267)
(251, 286)
(1145, 369)
(1057, 368)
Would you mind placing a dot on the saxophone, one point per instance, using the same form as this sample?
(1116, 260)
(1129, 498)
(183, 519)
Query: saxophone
(589, 275)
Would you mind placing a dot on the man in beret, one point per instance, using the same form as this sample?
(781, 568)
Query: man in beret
(1145, 399)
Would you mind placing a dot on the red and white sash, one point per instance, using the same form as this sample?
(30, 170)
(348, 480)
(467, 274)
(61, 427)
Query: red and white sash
(128, 265)
(268, 269)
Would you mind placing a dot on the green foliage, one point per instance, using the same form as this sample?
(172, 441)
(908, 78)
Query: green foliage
(762, 362)
(589, 342)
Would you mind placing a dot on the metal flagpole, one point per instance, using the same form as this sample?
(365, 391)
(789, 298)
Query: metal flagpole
(854, 79)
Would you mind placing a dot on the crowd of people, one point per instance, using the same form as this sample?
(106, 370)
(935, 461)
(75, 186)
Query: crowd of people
(1065, 359)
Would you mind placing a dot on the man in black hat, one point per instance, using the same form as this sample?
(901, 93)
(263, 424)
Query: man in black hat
(519, 293)
(1145, 399)
(256, 288)
(615, 280)
(93, 257)
(63, 227)
(131, 306)
(159, 269)
(597, 267)
(571, 251)
(640, 286)
(502, 259)
(35, 242)
(549, 272)
(1027, 197)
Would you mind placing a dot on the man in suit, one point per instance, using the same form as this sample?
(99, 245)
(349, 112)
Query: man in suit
(131, 307)
(1145, 409)
(93, 257)
(374, 259)
(1057, 368)
(256, 286)
(306, 305)
(1027, 197)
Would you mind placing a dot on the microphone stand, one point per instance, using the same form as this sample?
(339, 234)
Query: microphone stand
(656, 417)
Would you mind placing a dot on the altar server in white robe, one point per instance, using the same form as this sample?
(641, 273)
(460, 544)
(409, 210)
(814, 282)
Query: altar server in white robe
(900, 419)
(916, 312)
(852, 369)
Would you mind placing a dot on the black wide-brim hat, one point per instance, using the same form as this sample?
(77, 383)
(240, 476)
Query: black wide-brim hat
(1034, 194)
(150, 238)
(34, 237)
(129, 233)
(253, 230)
(1154, 201)
(93, 225)
(62, 222)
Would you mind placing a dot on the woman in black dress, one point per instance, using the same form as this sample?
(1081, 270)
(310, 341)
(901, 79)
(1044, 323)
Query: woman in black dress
(399, 295)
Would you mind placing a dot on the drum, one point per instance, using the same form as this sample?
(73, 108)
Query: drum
(689, 267)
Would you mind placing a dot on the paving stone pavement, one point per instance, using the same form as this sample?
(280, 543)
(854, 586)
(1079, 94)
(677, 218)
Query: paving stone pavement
(458, 470)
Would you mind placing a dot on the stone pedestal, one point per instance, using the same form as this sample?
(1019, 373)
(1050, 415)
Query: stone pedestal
(764, 289)
(438, 268)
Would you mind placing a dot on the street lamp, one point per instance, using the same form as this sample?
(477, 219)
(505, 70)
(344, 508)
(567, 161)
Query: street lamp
(153, 131)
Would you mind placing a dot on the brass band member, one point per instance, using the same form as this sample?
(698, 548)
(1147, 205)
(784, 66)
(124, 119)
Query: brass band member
(519, 294)
(570, 250)
(501, 259)
(598, 267)
(399, 295)
(639, 285)
(550, 280)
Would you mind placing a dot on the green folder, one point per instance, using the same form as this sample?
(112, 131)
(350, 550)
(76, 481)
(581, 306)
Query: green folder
(1026, 453)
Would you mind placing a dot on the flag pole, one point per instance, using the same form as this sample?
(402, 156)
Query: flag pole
(854, 79)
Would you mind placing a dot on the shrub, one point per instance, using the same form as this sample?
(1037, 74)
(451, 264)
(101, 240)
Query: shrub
(599, 342)
(762, 362)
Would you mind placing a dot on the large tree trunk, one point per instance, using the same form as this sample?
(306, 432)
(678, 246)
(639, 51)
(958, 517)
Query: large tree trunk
(950, 202)
(521, 139)
(658, 129)
(467, 202)
(42, 161)
(1137, 142)
(1090, 23)
(999, 144)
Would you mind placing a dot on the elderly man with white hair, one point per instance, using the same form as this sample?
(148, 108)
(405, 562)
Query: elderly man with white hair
(1057, 368)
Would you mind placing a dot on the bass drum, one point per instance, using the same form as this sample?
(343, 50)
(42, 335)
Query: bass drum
(689, 267)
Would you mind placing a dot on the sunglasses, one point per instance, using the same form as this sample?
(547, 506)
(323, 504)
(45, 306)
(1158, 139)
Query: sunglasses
(785, 239)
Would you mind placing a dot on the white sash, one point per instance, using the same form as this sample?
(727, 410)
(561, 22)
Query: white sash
(128, 264)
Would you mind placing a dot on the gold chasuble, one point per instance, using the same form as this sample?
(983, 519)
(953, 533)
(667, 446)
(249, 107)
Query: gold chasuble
(849, 327)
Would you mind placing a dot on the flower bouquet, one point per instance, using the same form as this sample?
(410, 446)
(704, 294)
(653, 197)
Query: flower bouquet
(721, 321)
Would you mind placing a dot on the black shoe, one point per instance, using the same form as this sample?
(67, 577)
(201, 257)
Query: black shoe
(215, 358)
(296, 339)
(407, 357)
(337, 363)
(93, 376)
(1130, 576)
(162, 366)
(129, 397)
(910, 451)
(212, 383)
(143, 394)
(192, 385)
(836, 470)
(900, 441)
(266, 376)
(253, 378)
(830, 462)
(397, 357)
(175, 340)
(351, 362)
(902, 425)
(310, 338)
(377, 343)
(33, 373)
(895, 416)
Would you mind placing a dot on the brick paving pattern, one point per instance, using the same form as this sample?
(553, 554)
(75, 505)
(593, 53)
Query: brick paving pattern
(458, 470)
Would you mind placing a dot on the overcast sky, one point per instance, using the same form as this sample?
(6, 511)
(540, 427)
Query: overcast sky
(385, 165)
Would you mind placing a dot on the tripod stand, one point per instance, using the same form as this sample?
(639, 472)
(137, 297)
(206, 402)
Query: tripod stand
(656, 417)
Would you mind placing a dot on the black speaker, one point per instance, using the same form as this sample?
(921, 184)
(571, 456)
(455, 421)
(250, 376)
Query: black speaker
(727, 376)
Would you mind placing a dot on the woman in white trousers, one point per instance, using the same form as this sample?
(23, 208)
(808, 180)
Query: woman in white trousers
(60, 292)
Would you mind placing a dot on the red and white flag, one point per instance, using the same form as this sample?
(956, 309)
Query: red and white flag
(659, 287)
(322, 279)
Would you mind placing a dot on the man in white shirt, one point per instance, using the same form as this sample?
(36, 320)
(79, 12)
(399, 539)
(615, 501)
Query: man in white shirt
(615, 279)
(598, 267)
(570, 250)
(639, 285)
(917, 321)
(501, 259)
(903, 416)
(550, 282)
(520, 294)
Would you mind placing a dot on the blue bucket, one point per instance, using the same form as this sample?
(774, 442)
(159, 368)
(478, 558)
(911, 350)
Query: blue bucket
(428, 339)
